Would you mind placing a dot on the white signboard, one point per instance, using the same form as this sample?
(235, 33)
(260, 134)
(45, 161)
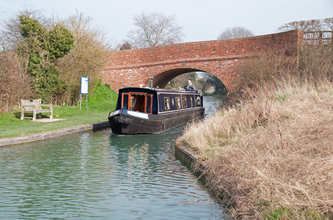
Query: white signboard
(84, 85)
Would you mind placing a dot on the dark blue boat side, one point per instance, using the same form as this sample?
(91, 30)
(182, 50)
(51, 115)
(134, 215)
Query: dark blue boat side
(153, 110)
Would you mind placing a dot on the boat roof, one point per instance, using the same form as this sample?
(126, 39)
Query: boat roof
(160, 89)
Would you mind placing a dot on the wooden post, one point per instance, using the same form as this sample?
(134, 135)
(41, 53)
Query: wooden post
(86, 100)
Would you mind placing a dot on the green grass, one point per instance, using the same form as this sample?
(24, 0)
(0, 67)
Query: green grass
(100, 104)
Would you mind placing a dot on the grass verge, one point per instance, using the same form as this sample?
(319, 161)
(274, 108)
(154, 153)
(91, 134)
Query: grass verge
(100, 104)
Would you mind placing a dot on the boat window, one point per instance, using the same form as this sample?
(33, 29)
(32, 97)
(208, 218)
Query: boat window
(178, 103)
(149, 103)
(191, 100)
(124, 101)
(198, 101)
(172, 101)
(138, 102)
(166, 103)
(184, 102)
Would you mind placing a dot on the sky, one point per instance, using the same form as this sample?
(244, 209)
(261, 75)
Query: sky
(201, 20)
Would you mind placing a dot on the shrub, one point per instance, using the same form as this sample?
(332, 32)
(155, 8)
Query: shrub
(15, 82)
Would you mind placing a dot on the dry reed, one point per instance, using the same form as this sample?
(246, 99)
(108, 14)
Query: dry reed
(272, 157)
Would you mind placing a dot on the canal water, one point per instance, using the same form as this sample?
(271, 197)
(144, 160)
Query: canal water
(99, 175)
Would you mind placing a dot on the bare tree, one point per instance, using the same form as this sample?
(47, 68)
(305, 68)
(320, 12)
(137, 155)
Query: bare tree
(328, 23)
(235, 32)
(125, 46)
(15, 83)
(306, 26)
(309, 25)
(86, 59)
(316, 31)
(153, 30)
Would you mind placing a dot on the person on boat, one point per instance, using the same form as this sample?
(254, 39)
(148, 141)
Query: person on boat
(190, 86)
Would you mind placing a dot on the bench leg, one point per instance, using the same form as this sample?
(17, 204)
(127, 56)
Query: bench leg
(22, 114)
(34, 115)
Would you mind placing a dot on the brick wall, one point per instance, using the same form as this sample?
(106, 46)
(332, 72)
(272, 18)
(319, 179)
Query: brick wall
(220, 58)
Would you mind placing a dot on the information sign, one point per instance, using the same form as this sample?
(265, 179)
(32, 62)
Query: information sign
(84, 85)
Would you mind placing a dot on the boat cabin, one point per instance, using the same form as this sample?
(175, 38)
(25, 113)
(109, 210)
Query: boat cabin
(157, 101)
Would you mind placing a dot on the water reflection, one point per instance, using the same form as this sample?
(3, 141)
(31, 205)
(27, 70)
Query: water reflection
(211, 104)
(101, 176)
(151, 178)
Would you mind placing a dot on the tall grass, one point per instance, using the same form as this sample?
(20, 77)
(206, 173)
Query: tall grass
(273, 156)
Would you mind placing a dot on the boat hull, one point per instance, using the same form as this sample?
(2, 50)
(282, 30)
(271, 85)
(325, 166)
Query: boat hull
(128, 122)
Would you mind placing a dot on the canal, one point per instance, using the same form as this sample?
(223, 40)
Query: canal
(99, 175)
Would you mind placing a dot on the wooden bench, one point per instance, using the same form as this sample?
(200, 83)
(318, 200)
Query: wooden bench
(35, 107)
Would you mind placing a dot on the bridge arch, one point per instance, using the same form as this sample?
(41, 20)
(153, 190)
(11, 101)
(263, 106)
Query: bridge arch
(162, 79)
(219, 58)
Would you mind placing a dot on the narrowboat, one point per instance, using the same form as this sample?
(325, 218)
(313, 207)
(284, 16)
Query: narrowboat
(154, 110)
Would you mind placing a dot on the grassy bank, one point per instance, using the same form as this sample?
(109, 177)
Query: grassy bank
(100, 104)
(272, 157)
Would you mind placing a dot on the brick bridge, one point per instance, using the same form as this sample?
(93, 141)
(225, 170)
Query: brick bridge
(219, 58)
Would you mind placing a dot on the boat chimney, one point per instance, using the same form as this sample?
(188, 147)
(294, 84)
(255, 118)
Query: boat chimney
(151, 82)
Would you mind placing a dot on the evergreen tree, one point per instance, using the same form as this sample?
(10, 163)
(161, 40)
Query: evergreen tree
(43, 48)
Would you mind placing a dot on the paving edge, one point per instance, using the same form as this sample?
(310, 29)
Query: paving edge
(52, 134)
(187, 156)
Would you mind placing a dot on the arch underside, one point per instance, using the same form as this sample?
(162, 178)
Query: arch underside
(162, 79)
